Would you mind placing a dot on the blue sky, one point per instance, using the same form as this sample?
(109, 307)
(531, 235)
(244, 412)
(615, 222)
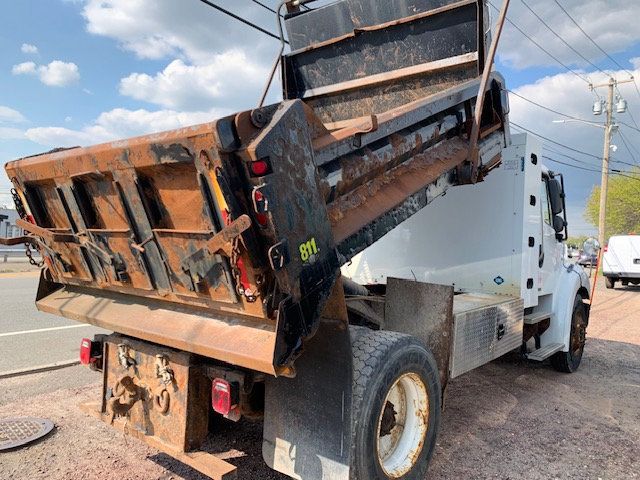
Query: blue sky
(85, 71)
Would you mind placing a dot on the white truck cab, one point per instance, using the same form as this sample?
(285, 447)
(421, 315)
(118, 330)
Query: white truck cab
(621, 260)
(500, 241)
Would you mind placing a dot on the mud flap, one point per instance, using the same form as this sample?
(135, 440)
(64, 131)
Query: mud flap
(424, 310)
(307, 426)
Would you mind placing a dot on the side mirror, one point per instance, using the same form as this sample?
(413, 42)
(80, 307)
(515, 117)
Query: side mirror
(558, 223)
(555, 197)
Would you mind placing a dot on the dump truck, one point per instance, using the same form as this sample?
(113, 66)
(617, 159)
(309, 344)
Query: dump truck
(326, 264)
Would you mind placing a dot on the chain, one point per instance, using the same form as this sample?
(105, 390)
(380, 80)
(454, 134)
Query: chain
(17, 201)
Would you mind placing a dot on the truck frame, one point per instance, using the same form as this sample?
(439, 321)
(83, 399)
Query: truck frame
(250, 267)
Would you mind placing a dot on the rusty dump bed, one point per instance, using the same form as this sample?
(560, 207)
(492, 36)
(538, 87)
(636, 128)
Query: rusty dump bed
(225, 239)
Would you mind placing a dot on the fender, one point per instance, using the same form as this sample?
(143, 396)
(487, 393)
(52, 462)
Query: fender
(571, 280)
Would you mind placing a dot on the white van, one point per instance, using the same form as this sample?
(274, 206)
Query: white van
(621, 260)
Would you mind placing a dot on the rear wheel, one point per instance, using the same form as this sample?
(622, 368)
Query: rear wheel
(396, 406)
(625, 283)
(609, 282)
(569, 362)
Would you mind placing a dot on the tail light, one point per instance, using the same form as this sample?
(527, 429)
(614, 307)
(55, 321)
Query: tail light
(606, 248)
(259, 168)
(90, 353)
(224, 396)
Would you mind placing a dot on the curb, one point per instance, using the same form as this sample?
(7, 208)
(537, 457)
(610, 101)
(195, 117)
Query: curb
(39, 369)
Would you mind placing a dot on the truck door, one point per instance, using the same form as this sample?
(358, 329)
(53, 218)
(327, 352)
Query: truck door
(550, 251)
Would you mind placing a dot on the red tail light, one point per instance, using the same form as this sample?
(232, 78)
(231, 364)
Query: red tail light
(85, 351)
(606, 248)
(259, 168)
(224, 396)
(91, 353)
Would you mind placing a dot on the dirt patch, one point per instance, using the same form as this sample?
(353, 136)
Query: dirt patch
(508, 420)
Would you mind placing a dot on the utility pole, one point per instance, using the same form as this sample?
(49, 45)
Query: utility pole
(604, 181)
(609, 127)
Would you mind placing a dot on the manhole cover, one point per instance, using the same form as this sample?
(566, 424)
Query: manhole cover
(15, 432)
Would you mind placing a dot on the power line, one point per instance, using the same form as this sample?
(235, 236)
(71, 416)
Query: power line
(570, 165)
(242, 20)
(620, 173)
(591, 39)
(628, 148)
(635, 83)
(628, 110)
(264, 6)
(555, 142)
(629, 126)
(630, 142)
(546, 108)
(562, 39)
(621, 162)
(584, 79)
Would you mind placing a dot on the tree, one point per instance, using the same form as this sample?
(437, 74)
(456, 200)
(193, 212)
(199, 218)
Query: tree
(623, 205)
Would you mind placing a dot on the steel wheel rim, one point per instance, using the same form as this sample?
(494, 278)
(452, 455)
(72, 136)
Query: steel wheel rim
(578, 336)
(399, 442)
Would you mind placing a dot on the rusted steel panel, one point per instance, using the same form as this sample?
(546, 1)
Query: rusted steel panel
(424, 310)
(353, 211)
(392, 54)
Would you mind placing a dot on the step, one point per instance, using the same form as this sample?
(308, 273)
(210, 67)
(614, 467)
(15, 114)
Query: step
(545, 352)
(536, 317)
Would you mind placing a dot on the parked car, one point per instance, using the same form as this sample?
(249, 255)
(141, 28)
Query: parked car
(621, 260)
(587, 260)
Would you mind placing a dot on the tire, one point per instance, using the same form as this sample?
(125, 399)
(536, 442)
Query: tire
(568, 362)
(609, 282)
(389, 368)
(625, 283)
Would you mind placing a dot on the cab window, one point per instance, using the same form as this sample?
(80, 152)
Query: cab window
(544, 202)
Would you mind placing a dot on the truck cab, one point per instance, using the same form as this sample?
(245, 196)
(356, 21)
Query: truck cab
(504, 238)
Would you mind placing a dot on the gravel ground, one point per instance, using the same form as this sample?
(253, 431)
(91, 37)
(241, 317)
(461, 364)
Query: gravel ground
(507, 420)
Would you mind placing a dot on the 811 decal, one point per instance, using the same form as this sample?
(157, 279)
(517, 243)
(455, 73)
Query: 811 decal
(308, 250)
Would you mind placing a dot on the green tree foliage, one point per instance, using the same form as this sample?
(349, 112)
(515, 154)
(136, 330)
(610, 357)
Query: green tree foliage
(623, 205)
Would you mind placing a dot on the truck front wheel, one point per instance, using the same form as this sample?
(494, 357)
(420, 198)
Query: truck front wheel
(396, 406)
(609, 282)
(569, 362)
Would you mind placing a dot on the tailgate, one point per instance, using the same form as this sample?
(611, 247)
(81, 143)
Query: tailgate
(171, 237)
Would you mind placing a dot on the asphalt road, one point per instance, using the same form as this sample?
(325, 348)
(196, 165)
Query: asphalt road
(29, 338)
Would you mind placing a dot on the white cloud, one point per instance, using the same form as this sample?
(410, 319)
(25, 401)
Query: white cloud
(227, 79)
(117, 124)
(28, 48)
(55, 74)
(189, 30)
(24, 68)
(611, 23)
(9, 115)
(207, 69)
(59, 74)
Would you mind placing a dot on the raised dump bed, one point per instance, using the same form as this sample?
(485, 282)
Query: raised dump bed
(225, 239)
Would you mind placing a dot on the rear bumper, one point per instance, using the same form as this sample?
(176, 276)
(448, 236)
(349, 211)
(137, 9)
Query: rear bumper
(233, 340)
(622, 274)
